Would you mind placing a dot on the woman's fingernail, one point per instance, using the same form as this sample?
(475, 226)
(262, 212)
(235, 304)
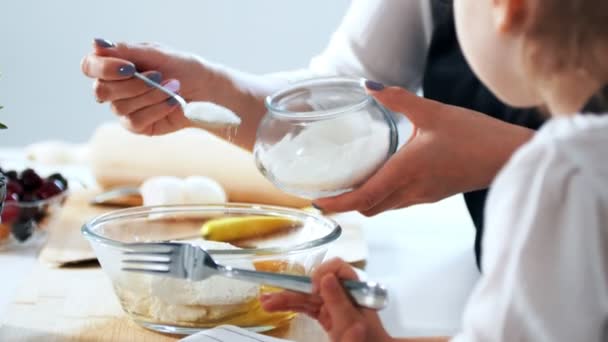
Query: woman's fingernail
(126, 70)
(156, 76)
(373, 85)
(104, 43)
(316, 206)
(173, 85)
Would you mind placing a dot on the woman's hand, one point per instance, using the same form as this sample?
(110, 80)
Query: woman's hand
(331, 306)
(146, 110)
(453, 150)
(142, 108)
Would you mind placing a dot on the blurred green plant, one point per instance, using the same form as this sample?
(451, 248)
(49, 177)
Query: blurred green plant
(2, 126)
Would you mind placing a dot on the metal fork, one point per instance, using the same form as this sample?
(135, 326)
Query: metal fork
(186, 261)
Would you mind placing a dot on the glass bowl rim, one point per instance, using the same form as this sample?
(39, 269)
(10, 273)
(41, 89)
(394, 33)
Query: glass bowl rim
(271, 100)
(234, 208)
(22, 204)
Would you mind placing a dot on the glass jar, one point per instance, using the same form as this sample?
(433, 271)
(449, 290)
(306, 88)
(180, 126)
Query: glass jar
(323, 137)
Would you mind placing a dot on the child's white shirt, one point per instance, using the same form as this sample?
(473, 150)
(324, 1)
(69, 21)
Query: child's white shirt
(546, 243)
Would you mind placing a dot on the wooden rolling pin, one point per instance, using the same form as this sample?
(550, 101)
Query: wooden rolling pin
(121, 158)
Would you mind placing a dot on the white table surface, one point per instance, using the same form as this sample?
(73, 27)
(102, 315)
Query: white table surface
(423, 254)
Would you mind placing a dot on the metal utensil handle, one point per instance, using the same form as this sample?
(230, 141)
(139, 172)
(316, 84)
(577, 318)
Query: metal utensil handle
(148, 81)
(115, 193)
(366, 294)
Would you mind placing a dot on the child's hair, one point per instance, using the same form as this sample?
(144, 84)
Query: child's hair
(567, 36)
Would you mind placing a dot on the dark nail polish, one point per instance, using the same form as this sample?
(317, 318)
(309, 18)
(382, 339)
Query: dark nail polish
(172, 101)
(372, 85)
(156, 77)
(317, 207)
(126, 70)
(104, 43)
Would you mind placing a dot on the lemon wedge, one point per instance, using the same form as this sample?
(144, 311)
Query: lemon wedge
(237, 228)
(312, 209)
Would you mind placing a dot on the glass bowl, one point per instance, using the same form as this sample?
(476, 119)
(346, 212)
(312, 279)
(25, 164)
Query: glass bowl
(323, 137)
(179, 306)
(25, 223)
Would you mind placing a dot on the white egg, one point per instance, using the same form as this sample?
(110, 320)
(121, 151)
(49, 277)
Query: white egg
(162, 190)
(198, 189)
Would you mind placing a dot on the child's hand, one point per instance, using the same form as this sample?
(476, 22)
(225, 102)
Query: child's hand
(331, 306)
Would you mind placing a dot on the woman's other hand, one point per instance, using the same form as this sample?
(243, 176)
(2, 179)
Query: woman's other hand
(452, 150)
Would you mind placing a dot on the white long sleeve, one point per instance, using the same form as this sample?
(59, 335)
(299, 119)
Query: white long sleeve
(546, 242)
(382, 40)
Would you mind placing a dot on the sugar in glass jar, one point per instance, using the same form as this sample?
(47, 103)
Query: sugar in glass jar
(323, 137)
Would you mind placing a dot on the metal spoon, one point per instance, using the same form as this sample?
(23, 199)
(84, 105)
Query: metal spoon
(122, 196)
(227, 118)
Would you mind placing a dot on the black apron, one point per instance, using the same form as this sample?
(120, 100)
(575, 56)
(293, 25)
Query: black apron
(448, 79)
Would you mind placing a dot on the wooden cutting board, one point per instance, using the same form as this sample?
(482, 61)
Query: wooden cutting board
(66, 245)
(78, 304)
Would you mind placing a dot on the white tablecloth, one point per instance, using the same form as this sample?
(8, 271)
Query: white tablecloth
(423, 254)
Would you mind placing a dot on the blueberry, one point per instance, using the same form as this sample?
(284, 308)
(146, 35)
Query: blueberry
(59, 178)
(23, 230)
(29, 212)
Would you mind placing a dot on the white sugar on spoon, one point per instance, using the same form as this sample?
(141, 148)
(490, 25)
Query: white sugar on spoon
(210, 113)
(199, 112)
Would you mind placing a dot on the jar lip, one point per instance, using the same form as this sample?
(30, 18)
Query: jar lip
(271, 100)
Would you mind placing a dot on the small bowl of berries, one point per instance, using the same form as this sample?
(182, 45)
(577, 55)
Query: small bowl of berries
(31, 203)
